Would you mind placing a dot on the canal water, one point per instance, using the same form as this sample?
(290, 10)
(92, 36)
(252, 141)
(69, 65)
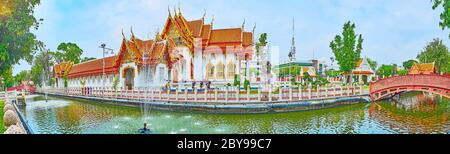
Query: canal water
(409, 113)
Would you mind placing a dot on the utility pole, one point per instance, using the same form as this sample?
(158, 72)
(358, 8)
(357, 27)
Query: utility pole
(105, 51)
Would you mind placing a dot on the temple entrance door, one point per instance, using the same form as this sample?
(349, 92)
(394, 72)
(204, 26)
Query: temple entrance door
(175, 74)
(129, 78)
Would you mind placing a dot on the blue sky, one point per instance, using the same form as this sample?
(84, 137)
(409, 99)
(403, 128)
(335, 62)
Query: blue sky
(393, 31)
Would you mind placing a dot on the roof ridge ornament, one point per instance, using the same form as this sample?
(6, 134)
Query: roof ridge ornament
(204, 14)
(179, 7)
(168, 9)
(175, 10)
(123, 35)
(254, 27)
(243, 25)
(132, 34)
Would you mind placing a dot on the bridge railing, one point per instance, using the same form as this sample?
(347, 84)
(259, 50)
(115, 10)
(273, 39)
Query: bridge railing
(429, 80)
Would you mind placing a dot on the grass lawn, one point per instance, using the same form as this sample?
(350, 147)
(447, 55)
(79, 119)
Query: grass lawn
(2, 128)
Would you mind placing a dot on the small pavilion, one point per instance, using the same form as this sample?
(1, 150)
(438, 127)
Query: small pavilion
(361, 74)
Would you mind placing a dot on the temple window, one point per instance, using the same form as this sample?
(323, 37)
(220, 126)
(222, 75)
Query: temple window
(210, 71)
(231, 70)
(220, 70)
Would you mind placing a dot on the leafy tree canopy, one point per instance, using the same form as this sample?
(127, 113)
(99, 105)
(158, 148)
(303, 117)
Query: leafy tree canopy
(85, 59)
(373, 64)
(436, 52)
(445, 15)
(16, 40)
(68, 52)
(347, 47)
(409, 63)
(387, 70)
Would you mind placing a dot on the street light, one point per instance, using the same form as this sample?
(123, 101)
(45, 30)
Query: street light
(105, 51)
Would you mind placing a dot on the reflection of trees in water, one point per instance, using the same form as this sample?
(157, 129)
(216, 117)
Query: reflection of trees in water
(342, 120)
(79, 115)
(413, 113)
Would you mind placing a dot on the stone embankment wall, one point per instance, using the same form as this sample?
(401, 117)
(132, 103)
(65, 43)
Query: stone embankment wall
(11, 120)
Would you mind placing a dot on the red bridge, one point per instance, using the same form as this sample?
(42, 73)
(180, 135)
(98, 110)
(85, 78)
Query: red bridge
(433, 83)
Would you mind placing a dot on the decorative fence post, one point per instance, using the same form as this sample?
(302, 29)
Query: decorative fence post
(168, 93)
(215, 94)
(299, 92)
(237, 93)
(206, 94)
(195, 93)
(248, 93)
(185, 93)
(280, 93)
(226, 95)
(326, 91)
(290, 93)
(318, 91)
(309, 91)
(270, 93)
(361, 89)
(259, 92)
(176, 93)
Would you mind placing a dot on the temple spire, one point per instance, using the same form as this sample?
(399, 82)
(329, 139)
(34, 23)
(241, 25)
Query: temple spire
(292, 52)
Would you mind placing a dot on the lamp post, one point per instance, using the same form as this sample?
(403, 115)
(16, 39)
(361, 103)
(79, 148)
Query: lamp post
(105, 51)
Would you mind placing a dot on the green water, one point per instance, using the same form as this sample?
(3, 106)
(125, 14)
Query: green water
(414, 113)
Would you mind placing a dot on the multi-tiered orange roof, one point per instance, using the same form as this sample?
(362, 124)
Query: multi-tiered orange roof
(424, 68)
(161, 48)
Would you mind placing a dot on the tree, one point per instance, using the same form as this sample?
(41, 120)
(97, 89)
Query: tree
(68, 52)
(438, 53)
(307, 78)
(16, 40)
(42, 67)
(409, 63)
(85, 59)
(7, 76)
(445, 15)
(260, 46)
(347, 48)
(387, 70)
(237, 81)
(37, 75)
(373, 64)
(22, 76)
(332, 73)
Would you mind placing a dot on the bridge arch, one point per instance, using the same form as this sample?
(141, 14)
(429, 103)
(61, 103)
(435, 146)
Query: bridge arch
(433, 83)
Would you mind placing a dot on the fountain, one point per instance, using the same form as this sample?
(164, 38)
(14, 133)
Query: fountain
(145, 106)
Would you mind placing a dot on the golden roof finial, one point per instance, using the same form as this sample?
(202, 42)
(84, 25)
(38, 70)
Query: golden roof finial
(175, 10)
(123, 35)
(254, 27)
(132, 34)
(179, 7)
(243, 25)
(168, 9)
(204, 14)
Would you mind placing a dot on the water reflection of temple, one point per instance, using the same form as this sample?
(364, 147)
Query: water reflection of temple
(417, 114)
